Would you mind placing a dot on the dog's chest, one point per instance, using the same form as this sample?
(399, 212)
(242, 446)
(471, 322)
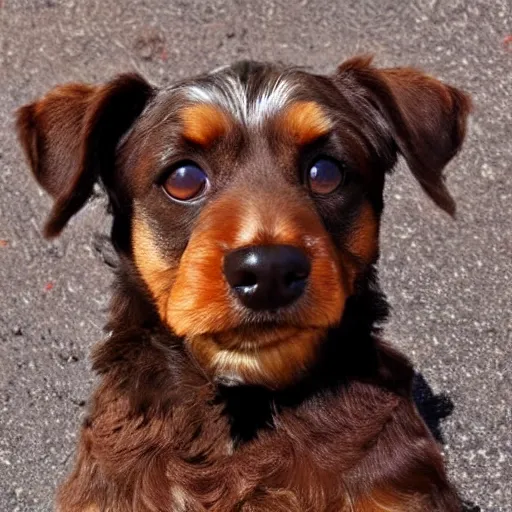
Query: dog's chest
(288, 457)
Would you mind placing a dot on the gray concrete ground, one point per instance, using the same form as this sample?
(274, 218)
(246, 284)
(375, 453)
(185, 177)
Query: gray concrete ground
(449, 282)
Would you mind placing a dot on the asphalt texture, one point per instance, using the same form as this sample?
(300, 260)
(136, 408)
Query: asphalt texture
(449, 282)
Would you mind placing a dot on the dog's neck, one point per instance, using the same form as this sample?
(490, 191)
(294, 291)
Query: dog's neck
(351, 351)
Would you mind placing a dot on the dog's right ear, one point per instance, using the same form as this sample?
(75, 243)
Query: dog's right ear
(70, 138)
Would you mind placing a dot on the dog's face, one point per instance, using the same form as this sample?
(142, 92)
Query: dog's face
(249, 199)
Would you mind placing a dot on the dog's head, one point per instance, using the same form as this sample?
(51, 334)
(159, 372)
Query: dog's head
(248, 199)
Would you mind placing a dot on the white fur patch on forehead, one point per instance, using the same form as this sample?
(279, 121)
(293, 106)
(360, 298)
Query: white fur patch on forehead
(227, 91)
(272, 99)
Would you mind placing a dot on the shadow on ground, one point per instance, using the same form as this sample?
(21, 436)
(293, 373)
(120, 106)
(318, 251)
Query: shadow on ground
(434, 409)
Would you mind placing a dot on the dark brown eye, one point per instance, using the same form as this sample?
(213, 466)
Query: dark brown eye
(186, 182)
(325, 176)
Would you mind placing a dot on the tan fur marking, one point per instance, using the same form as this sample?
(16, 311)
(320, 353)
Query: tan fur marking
(179, 498)
(304, 121)
(204, 124)
(154, 270)
(364, 241)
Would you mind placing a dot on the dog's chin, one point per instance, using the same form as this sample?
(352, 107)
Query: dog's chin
(267, 355)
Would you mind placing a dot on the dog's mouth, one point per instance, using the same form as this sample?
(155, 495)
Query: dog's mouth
(269, 354)
(257, 336)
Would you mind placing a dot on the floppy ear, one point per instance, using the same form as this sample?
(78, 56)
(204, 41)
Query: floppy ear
(70, 138)
(426, 118)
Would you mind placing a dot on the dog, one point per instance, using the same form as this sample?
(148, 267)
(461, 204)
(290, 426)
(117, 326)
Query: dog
(244, 367)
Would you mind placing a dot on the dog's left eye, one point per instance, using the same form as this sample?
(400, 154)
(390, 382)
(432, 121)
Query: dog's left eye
(186, 182)
(325, 176)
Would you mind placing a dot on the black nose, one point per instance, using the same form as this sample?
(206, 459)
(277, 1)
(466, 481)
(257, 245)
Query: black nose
(267, 276)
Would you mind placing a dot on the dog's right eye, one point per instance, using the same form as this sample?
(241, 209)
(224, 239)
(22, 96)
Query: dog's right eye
(186, 182)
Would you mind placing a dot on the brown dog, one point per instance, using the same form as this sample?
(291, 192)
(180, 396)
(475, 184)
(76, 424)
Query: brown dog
(244, 369)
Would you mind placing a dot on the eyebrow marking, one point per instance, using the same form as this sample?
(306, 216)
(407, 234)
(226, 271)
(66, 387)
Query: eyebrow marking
(304, 121)
(204, 123)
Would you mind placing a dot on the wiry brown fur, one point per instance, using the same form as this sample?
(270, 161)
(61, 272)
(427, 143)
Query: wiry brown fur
(321, 418)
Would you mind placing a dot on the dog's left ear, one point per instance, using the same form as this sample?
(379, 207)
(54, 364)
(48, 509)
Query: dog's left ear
(426, 118)
(70, 138)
